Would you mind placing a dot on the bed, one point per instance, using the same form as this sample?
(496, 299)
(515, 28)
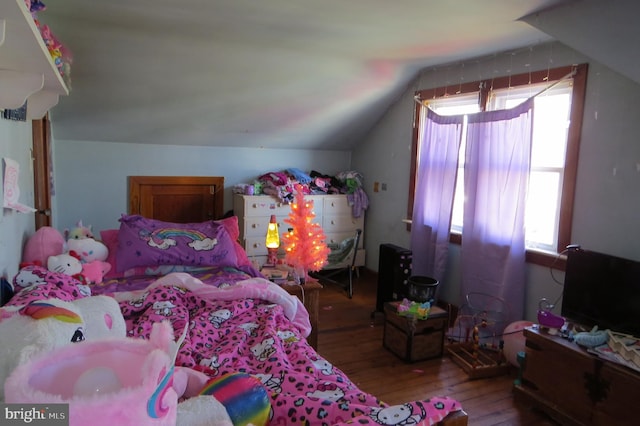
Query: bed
(234, 319)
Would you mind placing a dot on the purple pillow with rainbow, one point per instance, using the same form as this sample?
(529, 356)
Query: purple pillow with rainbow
(143, 242)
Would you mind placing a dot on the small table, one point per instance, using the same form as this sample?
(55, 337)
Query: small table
(309, 293)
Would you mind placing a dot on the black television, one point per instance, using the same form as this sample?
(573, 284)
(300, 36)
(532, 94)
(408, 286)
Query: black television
(603, 290)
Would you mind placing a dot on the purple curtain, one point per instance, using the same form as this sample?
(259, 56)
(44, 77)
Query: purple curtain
(438, 147)
(496, 176)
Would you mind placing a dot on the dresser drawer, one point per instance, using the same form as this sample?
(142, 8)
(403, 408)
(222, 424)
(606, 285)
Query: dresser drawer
(255, 246)
(336, 205)
(259, 205)
(255, 226)
(339, 224)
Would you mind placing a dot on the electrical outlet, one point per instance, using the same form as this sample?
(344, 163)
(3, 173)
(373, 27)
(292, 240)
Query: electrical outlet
(383, 186)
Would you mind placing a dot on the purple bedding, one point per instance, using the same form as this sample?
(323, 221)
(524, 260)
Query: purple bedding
(236, 322)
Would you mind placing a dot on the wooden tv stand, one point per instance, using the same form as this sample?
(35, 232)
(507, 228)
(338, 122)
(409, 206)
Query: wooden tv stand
(573, 386)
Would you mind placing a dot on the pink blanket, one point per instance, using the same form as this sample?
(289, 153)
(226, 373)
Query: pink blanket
(256, 327)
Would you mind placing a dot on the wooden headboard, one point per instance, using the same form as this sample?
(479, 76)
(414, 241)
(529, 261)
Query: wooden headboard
(179, 199)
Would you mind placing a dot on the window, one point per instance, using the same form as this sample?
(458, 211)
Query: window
(557, 124)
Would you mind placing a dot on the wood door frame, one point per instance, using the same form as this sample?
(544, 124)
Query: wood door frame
(42, 170)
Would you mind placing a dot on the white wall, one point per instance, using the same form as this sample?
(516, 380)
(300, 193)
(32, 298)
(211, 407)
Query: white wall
(15, 143)
(91, 177)
(607, 200)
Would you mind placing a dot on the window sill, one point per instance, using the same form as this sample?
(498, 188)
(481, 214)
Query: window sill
(536, 257)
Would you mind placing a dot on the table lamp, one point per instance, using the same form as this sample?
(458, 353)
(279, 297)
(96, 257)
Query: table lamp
(272, 241)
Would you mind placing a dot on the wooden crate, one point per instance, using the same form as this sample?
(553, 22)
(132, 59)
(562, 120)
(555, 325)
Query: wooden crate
(413, 339)
(478, 362)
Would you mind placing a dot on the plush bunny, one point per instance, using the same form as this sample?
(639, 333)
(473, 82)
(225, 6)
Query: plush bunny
(42, 326)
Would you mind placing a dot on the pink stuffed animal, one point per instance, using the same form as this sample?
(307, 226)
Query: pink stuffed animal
(43, 326)
(45, 242)
(94, 272)
(128, 382)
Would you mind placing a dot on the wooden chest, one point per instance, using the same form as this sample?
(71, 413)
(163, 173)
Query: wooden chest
(413, 339)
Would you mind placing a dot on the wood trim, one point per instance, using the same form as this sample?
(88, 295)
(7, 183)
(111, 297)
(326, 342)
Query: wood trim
(41, 140)
(136, 182)
(571, 162)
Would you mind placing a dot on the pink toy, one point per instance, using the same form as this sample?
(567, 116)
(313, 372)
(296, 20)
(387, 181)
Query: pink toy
(129, 382)
(43, 326)
(94, 272)
(45, 242)
(107, 382)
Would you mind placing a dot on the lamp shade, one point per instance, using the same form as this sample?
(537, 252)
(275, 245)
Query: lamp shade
(273, 237)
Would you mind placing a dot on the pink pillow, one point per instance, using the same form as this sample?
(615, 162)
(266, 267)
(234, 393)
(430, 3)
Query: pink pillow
(110, 239)
(231, 225)
(45, 242)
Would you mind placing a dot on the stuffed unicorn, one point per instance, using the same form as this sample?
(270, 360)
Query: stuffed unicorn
(43, 326)
(134, 382)
(79, 232)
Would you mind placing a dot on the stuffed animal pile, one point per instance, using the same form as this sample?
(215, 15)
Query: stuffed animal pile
(77, 352)
(80, 255)
(48, 358)
(43, 326)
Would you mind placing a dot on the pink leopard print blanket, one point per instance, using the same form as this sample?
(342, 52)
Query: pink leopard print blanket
(256, 327)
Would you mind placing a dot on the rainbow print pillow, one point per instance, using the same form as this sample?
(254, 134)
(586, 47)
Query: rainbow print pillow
(143, 242)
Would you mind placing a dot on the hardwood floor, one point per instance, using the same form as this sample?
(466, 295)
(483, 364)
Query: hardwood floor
(352, 341)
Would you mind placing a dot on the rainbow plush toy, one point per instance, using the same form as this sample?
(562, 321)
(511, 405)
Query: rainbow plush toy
(243, 396)
(133, 382)
(106, 382)
(43, 326)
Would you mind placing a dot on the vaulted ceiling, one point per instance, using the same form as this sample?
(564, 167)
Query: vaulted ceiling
(279, 74)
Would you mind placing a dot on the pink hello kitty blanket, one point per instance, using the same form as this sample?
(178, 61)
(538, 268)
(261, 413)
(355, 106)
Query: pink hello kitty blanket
(256, 327)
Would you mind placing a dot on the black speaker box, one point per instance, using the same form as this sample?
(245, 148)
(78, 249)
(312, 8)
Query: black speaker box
(394, 270)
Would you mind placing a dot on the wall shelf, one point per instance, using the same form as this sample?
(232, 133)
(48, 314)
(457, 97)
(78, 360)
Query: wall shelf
(27, 71)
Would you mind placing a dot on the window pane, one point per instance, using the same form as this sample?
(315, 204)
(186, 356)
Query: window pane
(463, 104)
(453, 105)
(551, 124)
(541, 214)
(551, 119)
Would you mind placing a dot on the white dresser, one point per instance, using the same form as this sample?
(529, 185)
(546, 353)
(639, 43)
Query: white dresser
(333, 213)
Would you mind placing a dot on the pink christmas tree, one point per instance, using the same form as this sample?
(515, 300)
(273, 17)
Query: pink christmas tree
(304, 244)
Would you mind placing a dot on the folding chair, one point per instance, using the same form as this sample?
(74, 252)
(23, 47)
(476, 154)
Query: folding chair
(341, 258)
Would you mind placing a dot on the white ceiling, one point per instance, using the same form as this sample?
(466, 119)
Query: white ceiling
(280, 74)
